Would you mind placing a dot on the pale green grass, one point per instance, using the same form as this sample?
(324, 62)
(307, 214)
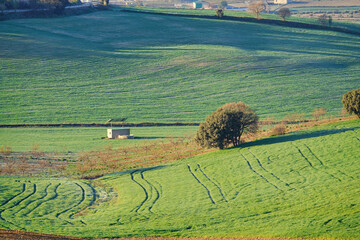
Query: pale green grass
(111, 64)
(83, 139)
(303, 184)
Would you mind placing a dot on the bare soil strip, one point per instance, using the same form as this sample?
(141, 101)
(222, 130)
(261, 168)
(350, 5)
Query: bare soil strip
(21, 235)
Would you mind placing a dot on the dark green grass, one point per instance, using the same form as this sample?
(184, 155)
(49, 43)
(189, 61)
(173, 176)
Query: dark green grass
(293, 18)
(304, 184)
(83, 139)
(330, 9)
(108, 64)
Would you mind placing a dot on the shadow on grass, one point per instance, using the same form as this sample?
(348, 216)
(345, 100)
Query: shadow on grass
(295, 136)
(155, 137)
(133, 170)
(150, 137)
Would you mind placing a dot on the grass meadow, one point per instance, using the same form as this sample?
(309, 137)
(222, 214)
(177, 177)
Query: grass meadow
(83, 139)
(111, 64)
(303, 184)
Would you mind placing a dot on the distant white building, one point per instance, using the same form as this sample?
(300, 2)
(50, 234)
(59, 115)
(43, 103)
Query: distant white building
(201, 5)
(119, 133)
(281, 1)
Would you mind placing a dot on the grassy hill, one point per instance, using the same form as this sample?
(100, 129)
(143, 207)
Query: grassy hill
(303, 184)
(106, 64)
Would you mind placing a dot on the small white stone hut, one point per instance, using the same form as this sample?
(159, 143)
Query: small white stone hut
(119, 133)
(281, 1)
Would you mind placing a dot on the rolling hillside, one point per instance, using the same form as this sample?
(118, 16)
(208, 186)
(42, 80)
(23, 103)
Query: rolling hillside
(303, 184)
(106, 64)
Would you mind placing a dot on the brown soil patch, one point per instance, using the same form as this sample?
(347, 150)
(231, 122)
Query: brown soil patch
(21, 235)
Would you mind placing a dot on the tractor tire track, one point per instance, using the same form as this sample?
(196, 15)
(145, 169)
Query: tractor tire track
(23, 190)
(136, 209)
(93, 191)
(42, 197)
(306, 159)
(316, 168)
(252, 169)
(218, 187)
(16, 204)
(93, 194)
(52, 198)
(207, 190)
(356, 136)
(272, 174)
(70, 208)
(151, 187)
(321, 163)
(6, 221)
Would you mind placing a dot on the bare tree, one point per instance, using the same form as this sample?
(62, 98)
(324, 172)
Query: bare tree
(318, 113)
(325, 20)
(256, 8)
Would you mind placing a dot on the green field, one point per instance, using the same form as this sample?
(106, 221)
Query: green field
(303, 184)
(107, 64)
(83, 139)
(327, 9)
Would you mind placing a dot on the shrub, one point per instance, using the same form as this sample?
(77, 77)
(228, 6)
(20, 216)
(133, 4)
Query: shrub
(351, 102)
(279, 129)
(284, 13)
(219, 13)
(226, 125)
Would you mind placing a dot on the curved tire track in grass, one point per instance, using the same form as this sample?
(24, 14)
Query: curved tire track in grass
(306, 159)
(208, 191)
(272, 174)
(252, 169)
(316, 168)
(23, 190)
(152, 187)
(321, 163)
(51, 198)
(356, 135)
(42, 197)
(16, 204)
(90, 203)
(136, 209)
(6, 221)
(81, 200)
(218, 187)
